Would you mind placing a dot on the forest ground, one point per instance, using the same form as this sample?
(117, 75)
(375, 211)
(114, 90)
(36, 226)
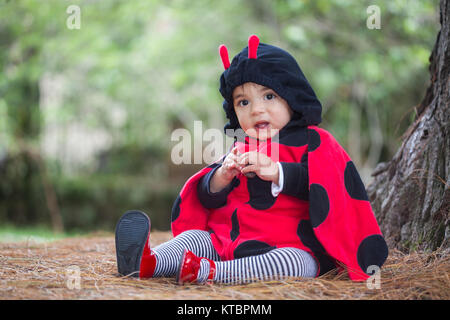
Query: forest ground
(48, 270)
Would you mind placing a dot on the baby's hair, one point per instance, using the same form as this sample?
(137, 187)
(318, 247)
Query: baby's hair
(242, 87)
(243, 90)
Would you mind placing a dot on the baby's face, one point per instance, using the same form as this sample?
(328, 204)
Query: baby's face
(260, 110)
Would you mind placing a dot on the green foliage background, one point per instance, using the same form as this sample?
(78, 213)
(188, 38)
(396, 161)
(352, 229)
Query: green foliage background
(86, 115)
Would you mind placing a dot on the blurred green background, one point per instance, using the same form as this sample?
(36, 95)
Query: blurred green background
(86, 115)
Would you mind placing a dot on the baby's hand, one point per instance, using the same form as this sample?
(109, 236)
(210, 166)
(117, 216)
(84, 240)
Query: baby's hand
(260, 164)
(227, 171)
(230, 167)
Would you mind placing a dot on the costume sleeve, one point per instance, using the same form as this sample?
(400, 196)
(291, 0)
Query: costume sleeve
(209, 199)
(296, 182)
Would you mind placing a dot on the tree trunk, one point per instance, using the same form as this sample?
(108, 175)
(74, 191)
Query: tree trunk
(410, 194)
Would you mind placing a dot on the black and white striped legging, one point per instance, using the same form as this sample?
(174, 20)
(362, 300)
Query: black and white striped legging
(276, 264)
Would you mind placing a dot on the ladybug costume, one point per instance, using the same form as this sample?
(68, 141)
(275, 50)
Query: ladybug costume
(333, 220)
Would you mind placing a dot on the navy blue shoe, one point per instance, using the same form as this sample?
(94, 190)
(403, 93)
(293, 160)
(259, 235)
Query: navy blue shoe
(132, 232)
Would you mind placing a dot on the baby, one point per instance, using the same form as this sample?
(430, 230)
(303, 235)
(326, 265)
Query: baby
(286, 201)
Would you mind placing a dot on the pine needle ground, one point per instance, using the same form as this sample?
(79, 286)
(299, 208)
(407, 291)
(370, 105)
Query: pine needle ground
(49, 270)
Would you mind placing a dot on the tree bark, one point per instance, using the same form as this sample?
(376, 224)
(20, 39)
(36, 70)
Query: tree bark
(410, 194)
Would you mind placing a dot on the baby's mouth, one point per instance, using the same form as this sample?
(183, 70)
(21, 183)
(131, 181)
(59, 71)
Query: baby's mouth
(262, 125)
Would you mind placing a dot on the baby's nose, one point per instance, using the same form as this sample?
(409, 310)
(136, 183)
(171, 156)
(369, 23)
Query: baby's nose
(258, 108)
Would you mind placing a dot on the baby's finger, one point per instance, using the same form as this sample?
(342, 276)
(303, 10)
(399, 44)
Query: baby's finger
(249, 168)
(235, 151)
(228, 161)
(231, 164)
(235, 171)
(234, 163)
(243, 159)
(233, 158)
(249, 171)
(230, 157)
(248, 158)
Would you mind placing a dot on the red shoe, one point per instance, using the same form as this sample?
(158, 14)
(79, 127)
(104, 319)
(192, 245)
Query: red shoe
(148, 262)
(189, 267)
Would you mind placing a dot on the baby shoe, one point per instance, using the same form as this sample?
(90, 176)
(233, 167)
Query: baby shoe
(134, 256)
(190, 266)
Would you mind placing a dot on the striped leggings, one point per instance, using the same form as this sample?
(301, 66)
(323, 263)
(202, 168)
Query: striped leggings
(276, 264)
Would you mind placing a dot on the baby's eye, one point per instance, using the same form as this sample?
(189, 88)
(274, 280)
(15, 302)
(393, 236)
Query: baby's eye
(270, 96)
(243, 103)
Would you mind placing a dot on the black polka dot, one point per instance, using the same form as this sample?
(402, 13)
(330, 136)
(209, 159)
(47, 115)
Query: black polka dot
(307, 236)
(251, 248)
(260, 193)
(234, 233)
(292, 137)
(304, 158)
(313, 140)
(319, 204)
(176, 209)
(372, 250)
(353, 183)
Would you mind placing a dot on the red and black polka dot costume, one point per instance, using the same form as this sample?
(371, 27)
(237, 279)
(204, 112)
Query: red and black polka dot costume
(335, 224)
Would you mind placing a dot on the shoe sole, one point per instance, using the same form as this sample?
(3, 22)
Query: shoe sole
(132, 232)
